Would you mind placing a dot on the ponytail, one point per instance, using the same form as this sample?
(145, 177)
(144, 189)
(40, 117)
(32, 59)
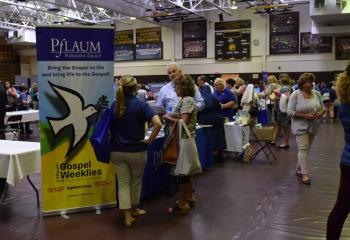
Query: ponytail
(127, 86)
(120, 106)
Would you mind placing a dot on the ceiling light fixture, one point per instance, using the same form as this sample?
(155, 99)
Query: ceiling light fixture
(234, 6)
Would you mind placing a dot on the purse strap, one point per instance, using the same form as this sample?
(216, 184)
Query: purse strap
(183, 124)
(253, 102)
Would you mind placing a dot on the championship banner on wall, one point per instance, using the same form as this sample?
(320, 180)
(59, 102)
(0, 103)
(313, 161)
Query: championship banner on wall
(75, 76)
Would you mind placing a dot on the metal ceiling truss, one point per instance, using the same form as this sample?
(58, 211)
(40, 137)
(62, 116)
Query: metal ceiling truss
(30, 13)
(200, 6)
(15, 14)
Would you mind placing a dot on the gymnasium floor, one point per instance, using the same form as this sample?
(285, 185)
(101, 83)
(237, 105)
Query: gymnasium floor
(235, 201)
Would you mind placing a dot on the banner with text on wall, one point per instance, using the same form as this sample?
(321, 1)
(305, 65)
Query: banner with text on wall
(75, 76)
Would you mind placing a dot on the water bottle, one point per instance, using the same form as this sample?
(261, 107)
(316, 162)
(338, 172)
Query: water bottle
(237, 118)
(169, 109)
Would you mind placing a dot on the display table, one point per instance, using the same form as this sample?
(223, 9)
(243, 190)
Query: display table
(27, 115)
(156, 176)
(19, 159)
(204, 146)
(236, 136)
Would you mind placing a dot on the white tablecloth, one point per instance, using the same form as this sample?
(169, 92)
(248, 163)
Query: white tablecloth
(19, 159)
(27, 115)
(236, 136)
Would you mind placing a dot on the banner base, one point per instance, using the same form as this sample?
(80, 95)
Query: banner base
(76, 210)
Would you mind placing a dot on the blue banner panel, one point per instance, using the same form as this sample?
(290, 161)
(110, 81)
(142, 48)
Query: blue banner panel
(74, 44)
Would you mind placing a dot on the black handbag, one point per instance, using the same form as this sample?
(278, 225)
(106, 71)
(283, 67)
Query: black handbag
(254, 110)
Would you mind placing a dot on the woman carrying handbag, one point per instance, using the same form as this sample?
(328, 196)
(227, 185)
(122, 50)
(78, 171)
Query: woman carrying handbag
(188, 163)
(128, 147)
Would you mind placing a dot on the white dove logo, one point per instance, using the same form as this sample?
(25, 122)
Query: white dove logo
(77, 116)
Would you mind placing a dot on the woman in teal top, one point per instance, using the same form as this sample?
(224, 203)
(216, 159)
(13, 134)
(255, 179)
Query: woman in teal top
(282, 118)
(341, 209)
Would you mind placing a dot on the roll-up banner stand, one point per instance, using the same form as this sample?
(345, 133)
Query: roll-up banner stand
(75, 76)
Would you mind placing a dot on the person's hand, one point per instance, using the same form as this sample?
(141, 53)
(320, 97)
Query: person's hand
(310, 116)
(222, 106)
(147, 142)
(166, 116)
(319, 115)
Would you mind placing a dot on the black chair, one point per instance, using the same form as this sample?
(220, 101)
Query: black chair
(3, 189)
(12, 125)
(263, 145)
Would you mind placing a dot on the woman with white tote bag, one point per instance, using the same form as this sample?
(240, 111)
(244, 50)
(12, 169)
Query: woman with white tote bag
(188, 162)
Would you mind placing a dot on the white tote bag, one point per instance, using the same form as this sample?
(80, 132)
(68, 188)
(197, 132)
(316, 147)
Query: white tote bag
(283, 103)
(188, 163)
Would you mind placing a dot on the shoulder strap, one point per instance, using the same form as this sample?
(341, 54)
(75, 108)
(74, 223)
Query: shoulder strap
(319, 96)
(183, 124)
(253, 100)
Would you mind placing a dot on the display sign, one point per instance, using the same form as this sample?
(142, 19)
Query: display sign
(232, 25)
(149, 51)
(284, 33)
(284, 44)
(310, 43)
(124, 37)
(124, 52)
(342, 49)
(194, 39)
(148, 35)
(232, 45)
(75, 76)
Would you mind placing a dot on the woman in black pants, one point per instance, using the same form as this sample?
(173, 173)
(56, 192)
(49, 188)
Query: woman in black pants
(341, 209)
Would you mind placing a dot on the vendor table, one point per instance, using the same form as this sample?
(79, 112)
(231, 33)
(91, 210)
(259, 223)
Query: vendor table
(236, 136)
(27, 115)
(156, 176)
(19, 159)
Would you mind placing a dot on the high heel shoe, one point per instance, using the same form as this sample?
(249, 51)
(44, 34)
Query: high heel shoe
(179, 210)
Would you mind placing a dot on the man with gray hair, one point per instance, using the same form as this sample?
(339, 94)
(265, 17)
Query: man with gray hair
(167, 96)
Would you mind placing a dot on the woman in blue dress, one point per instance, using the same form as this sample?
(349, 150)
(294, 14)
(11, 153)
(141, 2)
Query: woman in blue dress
(341, 208)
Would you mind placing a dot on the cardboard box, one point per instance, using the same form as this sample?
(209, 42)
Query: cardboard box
(265, 133)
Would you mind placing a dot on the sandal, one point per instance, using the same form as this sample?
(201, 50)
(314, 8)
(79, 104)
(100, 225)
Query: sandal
(179, 210)
(138, 212)
(191, 203)
(128, 222)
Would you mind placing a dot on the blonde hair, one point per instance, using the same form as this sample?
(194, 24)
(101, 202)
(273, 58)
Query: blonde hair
(240, 81)
(342, 87)
(284, 78)
(219, 81)
(272, 79)
(127, 85)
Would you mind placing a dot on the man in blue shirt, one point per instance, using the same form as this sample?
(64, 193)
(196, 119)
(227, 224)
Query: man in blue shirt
(167, 96)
